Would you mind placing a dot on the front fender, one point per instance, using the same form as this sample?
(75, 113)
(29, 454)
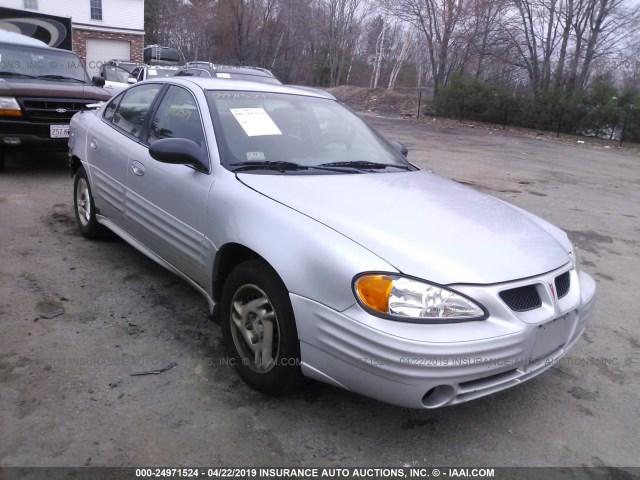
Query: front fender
(313, 260)
(78, 132)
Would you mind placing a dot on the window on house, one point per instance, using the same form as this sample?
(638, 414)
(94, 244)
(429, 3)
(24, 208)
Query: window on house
(96, 9)
(31, 4)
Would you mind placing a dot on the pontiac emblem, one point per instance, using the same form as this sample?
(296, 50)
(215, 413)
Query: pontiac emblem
(553, 291)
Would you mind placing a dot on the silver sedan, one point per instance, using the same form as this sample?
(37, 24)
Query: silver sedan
(320, 249)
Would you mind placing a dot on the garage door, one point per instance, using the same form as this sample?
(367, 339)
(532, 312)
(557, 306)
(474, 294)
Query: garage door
(99, 51)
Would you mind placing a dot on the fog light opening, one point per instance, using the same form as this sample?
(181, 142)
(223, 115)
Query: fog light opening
(438, 396)
(12, 141)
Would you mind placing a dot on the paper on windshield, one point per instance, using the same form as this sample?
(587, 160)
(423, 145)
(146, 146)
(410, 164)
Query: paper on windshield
(255, 122)
(223, 75)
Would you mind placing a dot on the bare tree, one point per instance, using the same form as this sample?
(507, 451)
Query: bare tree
(406, 49)
(441, 23)
(379, 52)
(342, 25)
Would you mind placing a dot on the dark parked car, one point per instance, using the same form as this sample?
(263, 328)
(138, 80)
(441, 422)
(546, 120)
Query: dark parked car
(41, 88)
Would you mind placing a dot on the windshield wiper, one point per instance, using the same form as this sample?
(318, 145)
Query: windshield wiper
(7, 73)
(59, 77)
(285, 166)
(365, 165)
(268, 165)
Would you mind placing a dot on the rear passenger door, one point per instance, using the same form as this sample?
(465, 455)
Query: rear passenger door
(166, 204)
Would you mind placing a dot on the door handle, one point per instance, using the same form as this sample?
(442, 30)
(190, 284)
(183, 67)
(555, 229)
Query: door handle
(137, 168)
(93, 143)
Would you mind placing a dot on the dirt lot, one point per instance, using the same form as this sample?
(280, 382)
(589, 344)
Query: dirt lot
(67, 397)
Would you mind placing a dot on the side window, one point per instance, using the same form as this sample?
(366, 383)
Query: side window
(133, 108)
(112, 107)
(141, 75)
(177, 117)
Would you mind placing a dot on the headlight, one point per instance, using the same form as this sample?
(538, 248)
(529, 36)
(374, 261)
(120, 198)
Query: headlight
(9, 106)
(406, 299)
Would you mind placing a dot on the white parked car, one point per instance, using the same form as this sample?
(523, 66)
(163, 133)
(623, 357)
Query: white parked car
(151, 72)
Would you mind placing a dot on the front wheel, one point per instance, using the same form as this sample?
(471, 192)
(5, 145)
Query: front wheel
(259, 329)
(85, 208)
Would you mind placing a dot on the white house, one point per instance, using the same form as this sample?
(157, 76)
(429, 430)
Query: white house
(102, 29)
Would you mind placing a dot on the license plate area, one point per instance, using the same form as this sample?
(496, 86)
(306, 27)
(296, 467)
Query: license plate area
(59, 131)
(550, 337)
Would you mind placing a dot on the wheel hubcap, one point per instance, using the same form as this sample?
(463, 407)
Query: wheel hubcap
(83, 202)
(255, 329)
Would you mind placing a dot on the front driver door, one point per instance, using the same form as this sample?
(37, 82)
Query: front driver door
(166, 204)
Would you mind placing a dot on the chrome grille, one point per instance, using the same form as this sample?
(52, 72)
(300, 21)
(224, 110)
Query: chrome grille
(53, 109)
(521, 299)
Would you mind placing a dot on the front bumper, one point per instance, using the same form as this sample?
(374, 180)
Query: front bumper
(429, 366)
(30, 134)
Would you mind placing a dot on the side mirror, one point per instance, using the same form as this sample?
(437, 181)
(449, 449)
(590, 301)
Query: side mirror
(179, 151)
(98, 81)
(131, 80)
(400, 148)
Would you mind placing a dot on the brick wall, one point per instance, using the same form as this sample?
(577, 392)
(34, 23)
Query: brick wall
(80, 37)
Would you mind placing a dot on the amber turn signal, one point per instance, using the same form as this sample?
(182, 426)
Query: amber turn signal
(374, 291)
(11, 113)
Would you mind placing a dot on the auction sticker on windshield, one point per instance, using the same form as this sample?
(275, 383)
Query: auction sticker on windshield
(255, 122)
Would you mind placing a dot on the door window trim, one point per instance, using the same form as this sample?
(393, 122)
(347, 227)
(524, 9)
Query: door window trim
(143, 128)
(146, 129)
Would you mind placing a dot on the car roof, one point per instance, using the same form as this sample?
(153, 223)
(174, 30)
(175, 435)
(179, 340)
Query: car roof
(18, 39)
(164, 67)
(215, 83)
(246, 70)
(13, 38)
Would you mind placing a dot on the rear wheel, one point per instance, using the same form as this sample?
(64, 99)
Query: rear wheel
(259, 328)
(2, 160)
(85, 207)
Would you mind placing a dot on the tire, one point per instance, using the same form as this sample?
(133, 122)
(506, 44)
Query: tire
(254, 303)
(84, 207)
(2, 160)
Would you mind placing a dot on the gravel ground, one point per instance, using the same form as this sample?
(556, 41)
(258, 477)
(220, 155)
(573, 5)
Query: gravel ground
(67, 397)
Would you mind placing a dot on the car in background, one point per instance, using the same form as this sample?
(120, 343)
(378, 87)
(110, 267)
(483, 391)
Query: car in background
(127, 65)
(41, 88)
(115, 77)
(321, 250)
(146, 72)
(200, 63)
(253, 74)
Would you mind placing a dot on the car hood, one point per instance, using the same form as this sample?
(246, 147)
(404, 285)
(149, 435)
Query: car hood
(424, 225)
(25, 87)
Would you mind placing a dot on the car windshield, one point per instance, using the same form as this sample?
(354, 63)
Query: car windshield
(128, 66)
(277, 133)
(42, 63)
(162, 72)
(116, 74)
